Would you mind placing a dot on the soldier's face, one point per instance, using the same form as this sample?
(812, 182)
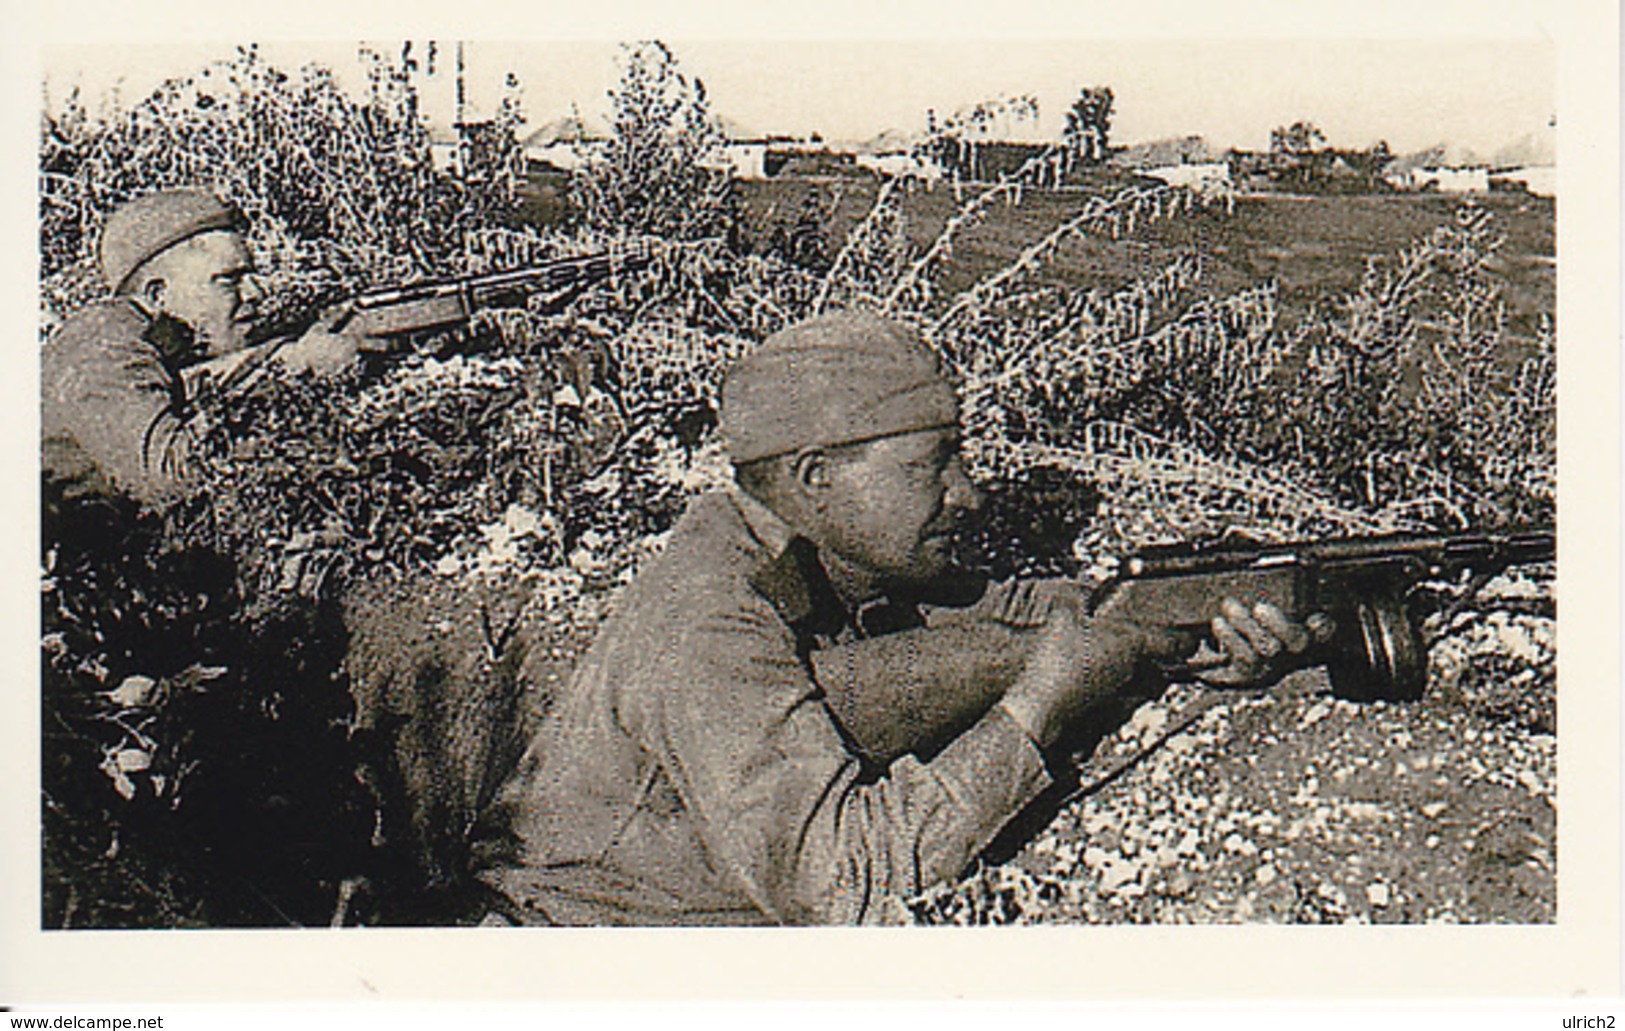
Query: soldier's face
(893, 504)
(207, 282)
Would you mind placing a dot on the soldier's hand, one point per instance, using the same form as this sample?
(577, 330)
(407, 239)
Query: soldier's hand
(1255, 645)
(327, 347)
(1079, 661)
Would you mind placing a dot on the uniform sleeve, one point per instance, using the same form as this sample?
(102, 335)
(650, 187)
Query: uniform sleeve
(114, 398)
(1021, 603)
(782, 803)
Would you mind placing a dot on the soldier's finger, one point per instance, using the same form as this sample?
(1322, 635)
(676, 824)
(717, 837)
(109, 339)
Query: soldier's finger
(1218, 668)
(1207, 658)
(335, 317)
(1263, 642)
(1243, 657)
(1321, 627)
(1290, 634)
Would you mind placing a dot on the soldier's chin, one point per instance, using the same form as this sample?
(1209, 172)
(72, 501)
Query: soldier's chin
(934, 564)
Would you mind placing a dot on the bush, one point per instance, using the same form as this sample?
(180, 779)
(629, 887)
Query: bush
(652, 178)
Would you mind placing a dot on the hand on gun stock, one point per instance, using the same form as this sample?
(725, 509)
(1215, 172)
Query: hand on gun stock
(1079, 661)
(331, 344)
(1251, 646)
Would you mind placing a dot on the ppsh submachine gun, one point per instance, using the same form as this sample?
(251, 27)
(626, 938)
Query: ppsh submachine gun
(443, 303)
(1364, 584)
(915, 690)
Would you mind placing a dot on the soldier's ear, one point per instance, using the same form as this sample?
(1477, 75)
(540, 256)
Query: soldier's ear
(810, 469)
(152, 290)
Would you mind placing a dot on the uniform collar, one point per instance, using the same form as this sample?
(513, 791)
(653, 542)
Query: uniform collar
(793, 580)
(790, 577)
(769, 529)
(174, 341)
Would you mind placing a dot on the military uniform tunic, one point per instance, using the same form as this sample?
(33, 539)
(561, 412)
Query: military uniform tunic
(113, 405)
(692, 774)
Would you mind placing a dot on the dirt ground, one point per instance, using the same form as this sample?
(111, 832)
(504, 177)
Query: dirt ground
(1291, 807)
(1294, 805)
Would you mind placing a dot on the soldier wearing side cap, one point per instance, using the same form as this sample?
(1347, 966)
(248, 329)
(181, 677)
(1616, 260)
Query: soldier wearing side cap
(118, 378)
(717, 756)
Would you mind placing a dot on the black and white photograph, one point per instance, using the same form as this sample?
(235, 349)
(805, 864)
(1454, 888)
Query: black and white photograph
(495, 486)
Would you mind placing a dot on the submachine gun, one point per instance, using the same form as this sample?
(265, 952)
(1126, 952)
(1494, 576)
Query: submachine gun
(915, 690)
(1363, 583)
(442, 303)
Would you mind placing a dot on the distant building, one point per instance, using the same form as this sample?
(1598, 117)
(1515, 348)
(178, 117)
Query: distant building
(1188, 161)
(1436, 169)
(742, 159)
(443, 148)
(1445, 180)
(1540, 180)
(563, 157)
(891, 165)
(569, 129)
(565, 144)
(450, 147)
(812, 158)
(744, 151)
(892, 153)
(1181, 150)
(1207, 177)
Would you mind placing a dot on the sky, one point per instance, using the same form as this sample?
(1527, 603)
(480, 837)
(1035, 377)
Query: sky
(1479, 95)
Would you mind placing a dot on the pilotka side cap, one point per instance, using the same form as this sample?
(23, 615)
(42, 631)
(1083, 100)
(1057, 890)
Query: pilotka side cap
(151, 224)
(832, 380)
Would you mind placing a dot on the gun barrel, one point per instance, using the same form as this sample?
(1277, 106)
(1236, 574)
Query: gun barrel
(554, 275)
(407, 294)
(1508, 549)
(1459, 551)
